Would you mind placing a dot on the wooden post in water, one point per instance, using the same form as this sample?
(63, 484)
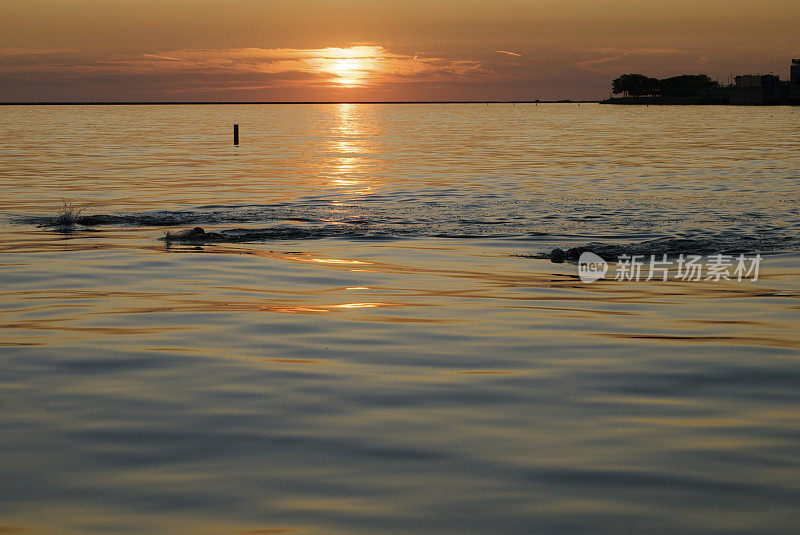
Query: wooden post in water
(236, 134)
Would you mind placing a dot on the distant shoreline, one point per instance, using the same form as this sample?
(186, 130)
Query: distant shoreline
(689, 101)
(185, 103)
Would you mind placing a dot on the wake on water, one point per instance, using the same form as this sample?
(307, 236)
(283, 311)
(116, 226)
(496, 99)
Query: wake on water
(610, 229)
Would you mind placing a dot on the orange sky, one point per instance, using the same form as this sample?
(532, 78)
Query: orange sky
(377, 50)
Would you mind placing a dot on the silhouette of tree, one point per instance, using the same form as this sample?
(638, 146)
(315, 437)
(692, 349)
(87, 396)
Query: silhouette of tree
(686, 85)
(635, 85)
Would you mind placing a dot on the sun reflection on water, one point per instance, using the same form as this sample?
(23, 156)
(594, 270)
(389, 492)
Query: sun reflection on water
(350, 169)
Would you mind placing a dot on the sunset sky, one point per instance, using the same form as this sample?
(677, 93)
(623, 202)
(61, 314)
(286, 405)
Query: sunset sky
(83, 50)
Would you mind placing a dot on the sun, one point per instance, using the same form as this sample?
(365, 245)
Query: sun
(351, 67)
(347, 70)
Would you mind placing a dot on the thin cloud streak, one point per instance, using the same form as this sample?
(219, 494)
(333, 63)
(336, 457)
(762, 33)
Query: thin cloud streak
(599, 61)
(156, 56)
(9, 51)
(626, 58)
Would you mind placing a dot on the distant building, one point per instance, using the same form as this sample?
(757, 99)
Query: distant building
(793, 91)
(756, 89)
(794, 73)
(750, 89)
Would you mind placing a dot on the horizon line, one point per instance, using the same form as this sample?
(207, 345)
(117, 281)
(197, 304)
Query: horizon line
(282, 102)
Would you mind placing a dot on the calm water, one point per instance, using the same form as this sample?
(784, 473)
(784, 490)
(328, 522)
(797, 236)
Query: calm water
(365, 341)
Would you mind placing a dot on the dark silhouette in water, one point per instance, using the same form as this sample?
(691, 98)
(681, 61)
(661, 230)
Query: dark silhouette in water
(190, 235)
(557, 256)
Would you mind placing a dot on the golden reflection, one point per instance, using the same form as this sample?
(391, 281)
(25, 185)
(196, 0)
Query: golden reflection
(361, 305)
(316, 309)
(287, 309)
(300, 258)
(335, 261)
(348, 147)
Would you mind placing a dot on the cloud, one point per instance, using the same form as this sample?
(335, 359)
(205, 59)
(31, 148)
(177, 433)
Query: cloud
(508, 52)
(355, 66)
(35, 51)
(637, 51)
(591, 62)
(162, 57)
(633, 57)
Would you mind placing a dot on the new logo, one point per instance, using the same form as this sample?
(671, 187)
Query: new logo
(591, 267)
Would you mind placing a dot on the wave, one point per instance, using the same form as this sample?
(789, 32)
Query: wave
(308, 221)
(671, 247)
(165, 218)
(608, 228)
(199, 236)
(674, 247)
